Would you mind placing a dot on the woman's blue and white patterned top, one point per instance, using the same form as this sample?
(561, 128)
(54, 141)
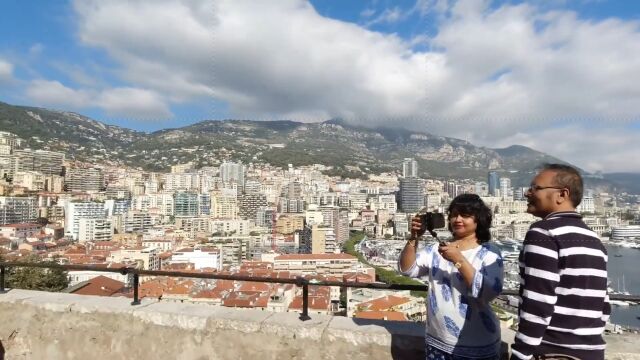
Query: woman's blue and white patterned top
(459, 319)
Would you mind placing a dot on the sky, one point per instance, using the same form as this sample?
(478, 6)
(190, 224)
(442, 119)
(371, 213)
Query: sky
(559, 76)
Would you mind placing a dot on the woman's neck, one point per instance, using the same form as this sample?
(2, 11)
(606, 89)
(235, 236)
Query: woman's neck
(467, 242)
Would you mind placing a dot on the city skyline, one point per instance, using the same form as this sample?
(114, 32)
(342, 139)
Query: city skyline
(539, 69)
(262, 220)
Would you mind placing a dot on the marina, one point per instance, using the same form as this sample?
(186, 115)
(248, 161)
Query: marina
(623, 272)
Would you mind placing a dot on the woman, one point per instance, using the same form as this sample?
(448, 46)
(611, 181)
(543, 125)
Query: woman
(463, 277)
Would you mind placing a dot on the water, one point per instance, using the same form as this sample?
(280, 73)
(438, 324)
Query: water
(629, 265)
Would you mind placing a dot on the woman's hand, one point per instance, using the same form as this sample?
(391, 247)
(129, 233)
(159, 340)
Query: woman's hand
(417, 229)
(451, 252)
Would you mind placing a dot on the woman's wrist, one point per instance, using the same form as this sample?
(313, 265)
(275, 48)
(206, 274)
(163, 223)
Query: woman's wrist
(462, 260)
(413, 241)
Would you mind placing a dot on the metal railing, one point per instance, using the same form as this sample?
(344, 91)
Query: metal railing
(298, 281)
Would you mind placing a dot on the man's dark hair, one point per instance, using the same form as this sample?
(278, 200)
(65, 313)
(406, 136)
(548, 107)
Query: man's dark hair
(567, 177)
(472, 204)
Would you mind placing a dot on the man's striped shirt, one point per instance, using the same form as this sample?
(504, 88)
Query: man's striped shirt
(563, 288)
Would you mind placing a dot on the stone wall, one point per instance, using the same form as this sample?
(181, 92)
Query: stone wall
(40, 325)
(52, 326)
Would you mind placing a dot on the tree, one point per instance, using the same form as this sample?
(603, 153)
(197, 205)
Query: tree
(37, 278)
(627, 216)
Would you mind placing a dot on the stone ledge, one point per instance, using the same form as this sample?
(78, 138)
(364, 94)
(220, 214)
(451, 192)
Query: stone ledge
(40, 325)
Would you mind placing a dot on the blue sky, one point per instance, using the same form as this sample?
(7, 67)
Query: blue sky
(493, 72)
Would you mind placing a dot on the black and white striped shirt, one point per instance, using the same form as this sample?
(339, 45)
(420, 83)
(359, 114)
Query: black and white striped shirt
(563, 288)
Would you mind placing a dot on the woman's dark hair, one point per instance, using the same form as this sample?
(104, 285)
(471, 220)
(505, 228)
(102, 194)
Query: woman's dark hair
(471, 204)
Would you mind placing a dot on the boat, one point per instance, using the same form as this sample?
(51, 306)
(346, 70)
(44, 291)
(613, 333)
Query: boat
(618, 255)
(619, 303)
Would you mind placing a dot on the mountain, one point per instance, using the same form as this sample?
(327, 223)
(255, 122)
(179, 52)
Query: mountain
(64, 131)
(629, 182)
(351, 150)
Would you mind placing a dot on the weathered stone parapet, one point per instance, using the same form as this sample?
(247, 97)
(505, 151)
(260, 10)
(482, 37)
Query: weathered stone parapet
(41, 325)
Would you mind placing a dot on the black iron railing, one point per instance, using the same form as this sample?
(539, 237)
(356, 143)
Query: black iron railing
(298, 281)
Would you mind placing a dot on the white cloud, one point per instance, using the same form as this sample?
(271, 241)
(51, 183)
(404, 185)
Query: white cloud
(389, 16)
(267, 60)
(368, 12)
(36, 49)
(116, 102)
(170, 50)
(136, 103)
(593, 147)
(6, 71)
(495, 73)
(54, 93)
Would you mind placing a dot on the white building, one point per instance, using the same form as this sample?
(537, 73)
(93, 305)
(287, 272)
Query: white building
(313, 215)
(587, 205)
(331, 264)
(232, 172)
(237, 227)
(78, 276)
(625, 232)
(160, 244)
(163, 203)
(205, 257)
(95, 230)
(17, 209)
(181, 182)
(145, 258)
(409, 168)
(505, 188)
(74, 211)
(224, 205)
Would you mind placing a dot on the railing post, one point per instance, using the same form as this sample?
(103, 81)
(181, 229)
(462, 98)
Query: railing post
(2, 269)
(305, 301)
(136, 283)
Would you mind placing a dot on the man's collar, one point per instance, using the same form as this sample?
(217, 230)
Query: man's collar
(558, 214)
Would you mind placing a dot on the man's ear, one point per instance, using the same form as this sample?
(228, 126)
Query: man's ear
(564, 196)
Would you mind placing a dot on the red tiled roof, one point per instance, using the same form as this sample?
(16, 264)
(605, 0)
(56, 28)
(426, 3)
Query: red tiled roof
(224, 284)
(101, 286)
(21, 225)
(241, 299)
(315, 302)
(384, 303)
(178, 266)
(316, 257)
(381, 315)
(254, 286)
(359, 277)
(211, 294)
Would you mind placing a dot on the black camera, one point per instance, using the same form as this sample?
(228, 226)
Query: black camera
(431, 220)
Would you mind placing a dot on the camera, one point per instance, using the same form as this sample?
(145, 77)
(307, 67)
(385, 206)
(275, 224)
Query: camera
(431, 220)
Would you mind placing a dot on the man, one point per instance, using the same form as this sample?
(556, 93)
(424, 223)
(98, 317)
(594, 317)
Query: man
(563, 270)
